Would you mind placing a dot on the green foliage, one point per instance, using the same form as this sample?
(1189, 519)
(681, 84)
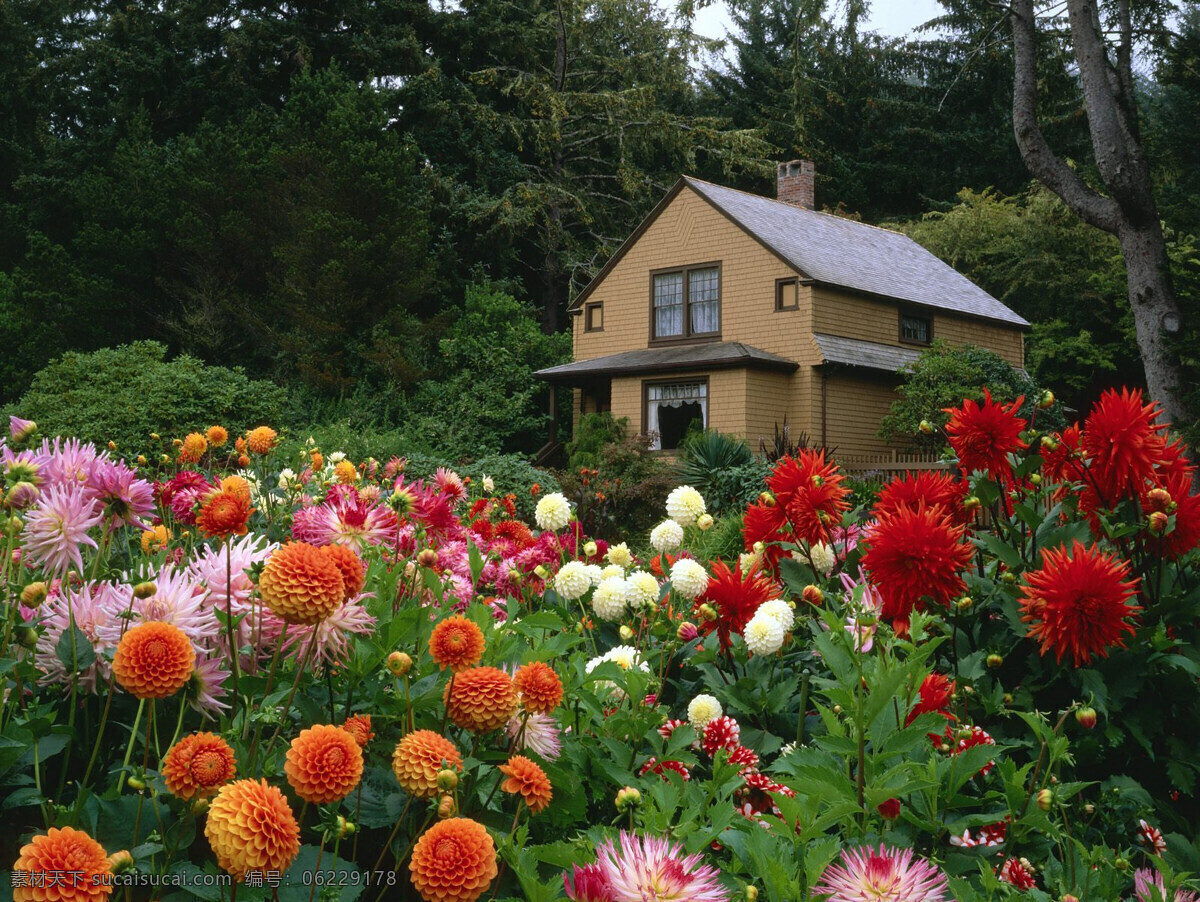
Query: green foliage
(592, 433)
(123, 394)
(624, 494)
(486, 399)
(945, 374)
(723, 469)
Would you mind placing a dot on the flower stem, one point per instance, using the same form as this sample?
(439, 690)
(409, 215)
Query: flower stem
(137, 719)
(287, 706)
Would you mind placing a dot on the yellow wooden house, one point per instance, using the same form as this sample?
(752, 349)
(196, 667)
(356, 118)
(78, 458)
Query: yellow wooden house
(741, 311)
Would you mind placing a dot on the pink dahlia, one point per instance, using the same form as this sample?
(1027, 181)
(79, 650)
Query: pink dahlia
(868, 875)
(96, 609)
(125, 499)
(207, 686)
(1148, 886)
(181, 493)
(587, 884)
(654, 867)
(537, 732)
(57, 527)
(332, 633)
(68, 461)
(180, 600)
(347, 519)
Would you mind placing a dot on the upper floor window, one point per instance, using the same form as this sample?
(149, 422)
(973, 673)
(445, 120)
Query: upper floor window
(593, 317)
(787, 294)
(686, 302)
(916, 329)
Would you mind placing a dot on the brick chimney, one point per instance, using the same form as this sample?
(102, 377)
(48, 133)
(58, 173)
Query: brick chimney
(794, 183)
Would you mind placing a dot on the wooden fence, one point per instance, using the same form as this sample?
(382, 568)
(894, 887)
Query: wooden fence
(890, 464)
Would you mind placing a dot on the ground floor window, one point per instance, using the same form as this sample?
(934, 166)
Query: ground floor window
(672, 409)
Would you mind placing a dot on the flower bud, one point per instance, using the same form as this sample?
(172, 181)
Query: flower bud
(137, 784)
(1158, 499)
(1035, 479)
(994, 662)
(399, 663)
(971, 503)
(1048, 443)
(627, 798)
(166, 459)
(121, 861)
(626, 632)
(705, 522)
(708, 613)
(758, 548)
(112, 446)
(751, 893)
(141, 460)
(767, 499)
(33, 594)
(541, 572)
(590, 549)
(1159, 522)
(345, 828)
(28, 637)
(447, 807)
(1007, 698)
(1089, 809)
(1086, 716)
(145, 590)
(447, 780)
(1121, 864)
(427, 557)
(14, 526)
(837, 709)
(200, 806)
(1046, 400)
(155, 436)
(687, 631)
(890, 810)
(813, 594)
(1008, 576)
(1069, 898)
(1045, 799)
(965, 603)
(926, 427)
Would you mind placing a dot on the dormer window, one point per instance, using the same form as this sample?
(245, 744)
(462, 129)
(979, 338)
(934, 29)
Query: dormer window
(593, 317)
(915, 329)
(686, 303)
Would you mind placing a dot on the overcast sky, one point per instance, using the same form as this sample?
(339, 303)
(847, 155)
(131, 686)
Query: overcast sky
(895, 18)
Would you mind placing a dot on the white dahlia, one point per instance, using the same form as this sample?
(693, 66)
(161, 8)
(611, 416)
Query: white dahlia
(777, 610)
(553, 512)
(608, 601)
(572, 580)
(685, 505)
(688, 578)
(641, 590)
(763, 635)
(666, 536)
(619, 555)
(701, 710)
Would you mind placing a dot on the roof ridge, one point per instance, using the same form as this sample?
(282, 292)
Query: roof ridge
(783, 203)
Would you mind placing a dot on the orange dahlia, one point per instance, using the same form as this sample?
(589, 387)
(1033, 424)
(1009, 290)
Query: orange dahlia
(456, 643)
(154, 660)
(541, 689)
(359, 726)
(418, 758)
(156, 539)
(251, 827)
(236, 485)
(351, 566)
(1078, 602)
(324, 764)
(217, 436)
(983, 435)
(317, 459)
(261, 440)
(301, 584)
(345, 473)
(198, 765)
(193, 448)
(526, 779)
(481, 699)
(453, 861)
(223, 514)
(72, 867)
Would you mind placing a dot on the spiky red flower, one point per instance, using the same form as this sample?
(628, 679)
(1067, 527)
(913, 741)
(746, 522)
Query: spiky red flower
(1122, 442)
(736, 596)
(1078, 602)
(934, 696)
(720, 733)
(1184, 507)
(1016, 873)
(983, 435)
(936, 489)
(1061, 462)
(809, 488)
(915, 554)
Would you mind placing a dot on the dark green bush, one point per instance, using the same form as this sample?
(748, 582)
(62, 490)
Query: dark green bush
(625, 494)
(723, 469)
(592, 433)
(123, 394)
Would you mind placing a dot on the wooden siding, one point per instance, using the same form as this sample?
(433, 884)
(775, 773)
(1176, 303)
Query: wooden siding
(691, 231)
(854, 407)
(854, 316)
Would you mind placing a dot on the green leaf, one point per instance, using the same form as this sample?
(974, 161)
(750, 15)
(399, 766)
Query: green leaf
(335, 873)
(78, 655)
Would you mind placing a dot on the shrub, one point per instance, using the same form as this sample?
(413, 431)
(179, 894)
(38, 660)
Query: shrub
(592, 433)
(723, 469)
(123, 394)
(624, 494)
(943, 376)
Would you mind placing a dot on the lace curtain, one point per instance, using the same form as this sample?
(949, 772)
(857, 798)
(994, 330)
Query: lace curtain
(668, 305)
(673, 395)
(704, 297)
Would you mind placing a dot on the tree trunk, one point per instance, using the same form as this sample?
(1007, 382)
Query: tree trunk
(1154, 309)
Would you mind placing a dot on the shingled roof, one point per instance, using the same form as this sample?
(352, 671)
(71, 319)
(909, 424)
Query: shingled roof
(708, 355)
(840, 252)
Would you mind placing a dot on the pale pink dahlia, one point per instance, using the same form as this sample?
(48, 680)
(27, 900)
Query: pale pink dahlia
(224, 568)
(1148, 886)
(207, 686)
(97, 609)
(875, 875)
(332, 634)
(180, 600)
(57, 526)
(541, 734)
(68, 461)
(655, 869)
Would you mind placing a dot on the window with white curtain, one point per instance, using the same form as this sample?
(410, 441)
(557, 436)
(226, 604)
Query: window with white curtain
(672, 409)
(687, 302)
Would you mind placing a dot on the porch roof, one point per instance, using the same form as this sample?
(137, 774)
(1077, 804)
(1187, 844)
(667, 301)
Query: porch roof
(707, 356)
(867, 354)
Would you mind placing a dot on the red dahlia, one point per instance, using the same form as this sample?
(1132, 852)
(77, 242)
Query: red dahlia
(1123, 442)
(1078, 602)
(809, 489)
(934, 488)
(736, 596)
(983, 435)
(934, 697)
(915, 555)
